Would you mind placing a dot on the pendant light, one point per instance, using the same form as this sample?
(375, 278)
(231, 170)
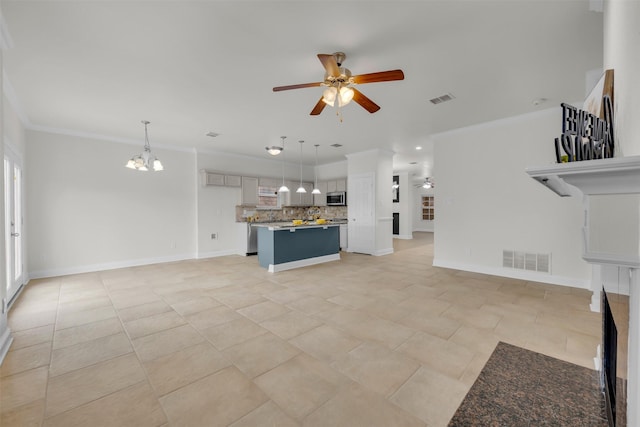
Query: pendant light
(301, 189)
(284, 188)
(316, 190)
(145, 161)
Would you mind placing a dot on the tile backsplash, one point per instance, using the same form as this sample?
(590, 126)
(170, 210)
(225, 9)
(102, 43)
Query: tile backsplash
(245, 214)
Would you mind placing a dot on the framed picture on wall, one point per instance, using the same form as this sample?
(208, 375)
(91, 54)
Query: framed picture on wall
(396, 189)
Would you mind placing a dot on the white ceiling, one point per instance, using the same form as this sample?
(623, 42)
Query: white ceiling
(191, 67)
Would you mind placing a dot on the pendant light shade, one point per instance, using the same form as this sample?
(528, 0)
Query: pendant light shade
(316, 190)
(301, 189)
(145, 161)
(284, 188)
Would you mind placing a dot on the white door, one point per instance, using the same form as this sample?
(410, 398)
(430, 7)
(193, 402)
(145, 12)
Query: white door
(361, 209)
(13, 222)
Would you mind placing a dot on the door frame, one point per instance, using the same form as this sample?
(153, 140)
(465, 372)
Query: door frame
(14, 282)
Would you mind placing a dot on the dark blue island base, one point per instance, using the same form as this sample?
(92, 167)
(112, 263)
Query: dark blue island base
(285, 248)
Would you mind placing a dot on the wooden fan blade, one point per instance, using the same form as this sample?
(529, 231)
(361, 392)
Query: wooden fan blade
(365, 102)
(318, 108)
(330, 64)
(382, 76)
(300, 86)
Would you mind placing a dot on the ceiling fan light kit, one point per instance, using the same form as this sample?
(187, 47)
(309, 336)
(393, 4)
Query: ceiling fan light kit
(338, 81)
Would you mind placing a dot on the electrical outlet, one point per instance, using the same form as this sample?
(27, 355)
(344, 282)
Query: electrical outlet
(214, 236)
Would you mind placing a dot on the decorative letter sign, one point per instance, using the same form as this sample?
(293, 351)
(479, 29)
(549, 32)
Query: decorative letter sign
(588, 135)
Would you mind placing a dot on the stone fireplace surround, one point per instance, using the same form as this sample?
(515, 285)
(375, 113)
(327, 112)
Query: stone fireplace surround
(614, 270)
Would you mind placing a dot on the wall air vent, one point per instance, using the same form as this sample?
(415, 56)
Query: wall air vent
(440, 99)
(526, 261)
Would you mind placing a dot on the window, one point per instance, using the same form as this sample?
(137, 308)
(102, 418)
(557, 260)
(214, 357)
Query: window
(428, 213)
(267, 197)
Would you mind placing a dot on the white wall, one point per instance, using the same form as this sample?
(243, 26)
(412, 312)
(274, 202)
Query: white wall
(487, 203)
(86, 211)
(380, 163)
(5, 332)
(337, 170)
(621, 41)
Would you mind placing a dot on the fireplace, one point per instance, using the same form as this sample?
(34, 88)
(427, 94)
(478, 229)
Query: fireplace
(614, 355)
(609, 358)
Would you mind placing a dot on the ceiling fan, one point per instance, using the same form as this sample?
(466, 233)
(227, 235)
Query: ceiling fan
(338, 82)
(428, 183)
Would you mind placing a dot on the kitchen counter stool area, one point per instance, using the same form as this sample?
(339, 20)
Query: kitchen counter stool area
(285, 248)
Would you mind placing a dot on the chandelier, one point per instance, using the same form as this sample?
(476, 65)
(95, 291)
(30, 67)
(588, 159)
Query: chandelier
(146, 160)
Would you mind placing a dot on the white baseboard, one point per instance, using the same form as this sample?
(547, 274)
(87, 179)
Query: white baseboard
(107, 266)
(216, 254)
(381, 252)
(427, 230)
(274, 268)
(403, 236)
(516, 274)
(5, 342)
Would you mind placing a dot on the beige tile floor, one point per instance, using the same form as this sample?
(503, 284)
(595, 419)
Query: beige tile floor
(366, 341)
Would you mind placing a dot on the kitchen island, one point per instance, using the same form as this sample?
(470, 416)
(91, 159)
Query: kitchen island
(284, 246)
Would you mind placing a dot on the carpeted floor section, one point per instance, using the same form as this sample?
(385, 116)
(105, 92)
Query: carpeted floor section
(518, 387)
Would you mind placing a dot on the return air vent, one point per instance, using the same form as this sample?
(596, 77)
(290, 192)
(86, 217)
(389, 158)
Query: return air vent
(440, 99)
(526, 261)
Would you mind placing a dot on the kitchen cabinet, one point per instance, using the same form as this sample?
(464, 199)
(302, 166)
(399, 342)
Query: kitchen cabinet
(211, 178)
(344, 232)
(336, 185)
(299, 199)
(321, 199)
(269, 182)
(215, 178)
(249, 191)
(233, 181)
(307, 198)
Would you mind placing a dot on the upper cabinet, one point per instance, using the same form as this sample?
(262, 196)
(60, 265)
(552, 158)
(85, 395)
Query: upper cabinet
(321, 199)
(336, 185)
(216, 178)
(233, 181)
(249, 191)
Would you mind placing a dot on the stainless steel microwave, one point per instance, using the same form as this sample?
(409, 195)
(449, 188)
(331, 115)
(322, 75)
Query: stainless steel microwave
(337, 198)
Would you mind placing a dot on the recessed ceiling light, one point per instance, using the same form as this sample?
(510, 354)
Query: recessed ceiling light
(418, 148)
(336, 145)
(212, 134)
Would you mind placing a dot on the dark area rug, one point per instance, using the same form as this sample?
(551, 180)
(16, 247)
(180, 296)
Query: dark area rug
(518, 387)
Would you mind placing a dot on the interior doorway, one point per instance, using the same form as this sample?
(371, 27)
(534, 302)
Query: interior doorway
(13, 203)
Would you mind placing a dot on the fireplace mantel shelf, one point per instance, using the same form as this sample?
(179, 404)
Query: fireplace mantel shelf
(616, 176)
(619, 175)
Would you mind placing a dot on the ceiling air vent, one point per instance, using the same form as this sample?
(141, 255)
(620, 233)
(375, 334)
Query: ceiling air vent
(336, 145)
(440, 99)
